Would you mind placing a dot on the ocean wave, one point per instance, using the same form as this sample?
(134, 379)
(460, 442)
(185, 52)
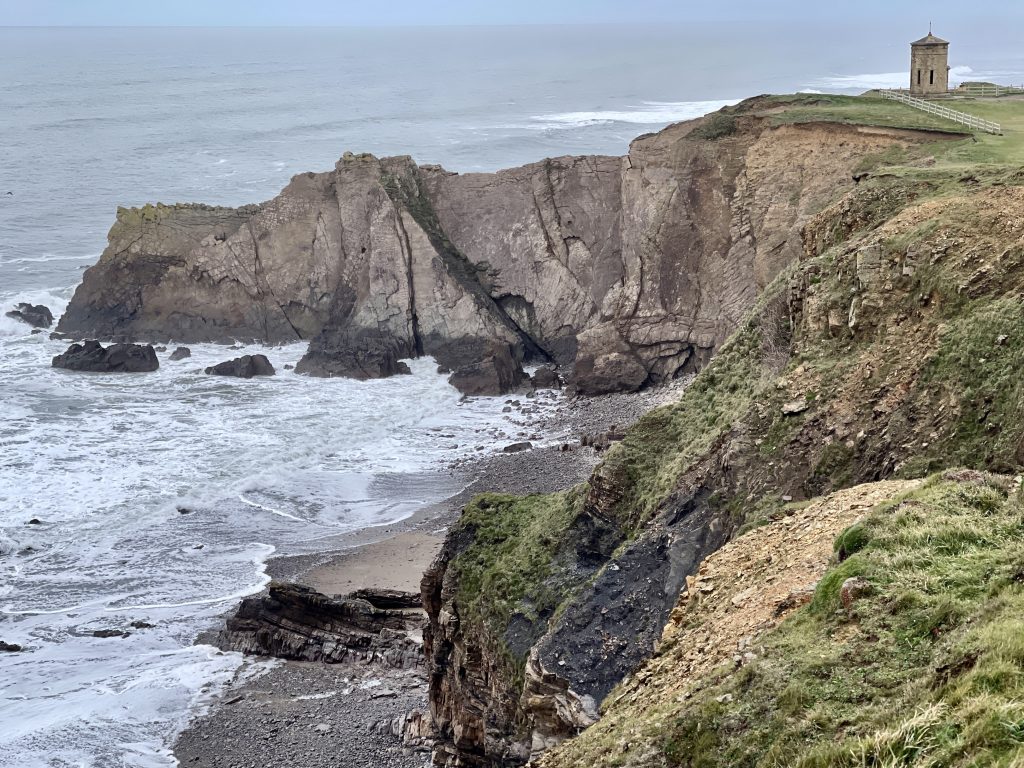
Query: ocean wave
(46, 258)
(867, 82)
(7, 545)
(647, 113)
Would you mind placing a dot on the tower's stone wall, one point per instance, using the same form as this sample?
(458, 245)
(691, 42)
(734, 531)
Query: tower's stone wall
(929, 69)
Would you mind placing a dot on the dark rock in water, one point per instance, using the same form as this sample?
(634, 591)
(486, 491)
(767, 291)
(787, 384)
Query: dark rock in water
(35, 331)
(244, 367)
(161, 348)
(495, 374)
(111, 633)
(289, 367)
(444, 369)
(36, 315)
(35, 521)
(180, 353)
(517, 447)
(359, 355)
(141, 625)
(546, 378)
(117, 358)
(293, 621)
(9, 647)
(184, 511)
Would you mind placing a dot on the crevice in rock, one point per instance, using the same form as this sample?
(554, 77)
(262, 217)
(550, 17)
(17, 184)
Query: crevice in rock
(414, 321)
(418, 204)
(258, 271)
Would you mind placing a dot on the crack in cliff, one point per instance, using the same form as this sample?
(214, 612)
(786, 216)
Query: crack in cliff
(461, 269)
(319, 233)
(257, 271)
(414, 319)
(548, 242)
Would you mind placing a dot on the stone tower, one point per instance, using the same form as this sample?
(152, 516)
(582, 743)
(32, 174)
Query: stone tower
(929, 67)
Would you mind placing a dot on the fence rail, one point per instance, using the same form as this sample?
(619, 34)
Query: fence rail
(970, 121)
(989, 89)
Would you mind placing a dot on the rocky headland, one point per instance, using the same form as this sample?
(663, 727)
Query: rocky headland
(627, 270)
(842, 276)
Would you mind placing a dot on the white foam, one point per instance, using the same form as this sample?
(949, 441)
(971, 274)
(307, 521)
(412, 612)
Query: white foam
(271, 510)
(867, 82)
(107, 462)
(47, 258)
(647, 113)
(7, 544)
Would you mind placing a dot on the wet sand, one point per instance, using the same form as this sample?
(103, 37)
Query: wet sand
(315, 715)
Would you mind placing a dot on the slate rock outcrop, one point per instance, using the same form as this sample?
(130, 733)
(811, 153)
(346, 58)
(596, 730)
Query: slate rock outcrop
(36, 315)
(117, 358)
(292, 621)
(244, 367)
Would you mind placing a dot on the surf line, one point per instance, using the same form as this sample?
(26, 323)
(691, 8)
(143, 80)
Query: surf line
(271, 510)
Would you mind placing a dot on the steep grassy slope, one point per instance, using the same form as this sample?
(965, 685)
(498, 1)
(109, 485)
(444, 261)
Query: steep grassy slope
(910, 651)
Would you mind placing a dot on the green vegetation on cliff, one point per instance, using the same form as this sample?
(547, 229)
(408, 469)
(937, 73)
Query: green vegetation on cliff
(924, 668)
(509, 568)
(665, 443)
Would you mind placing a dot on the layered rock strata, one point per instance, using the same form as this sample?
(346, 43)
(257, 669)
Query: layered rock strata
(292, 621)
(631, 269)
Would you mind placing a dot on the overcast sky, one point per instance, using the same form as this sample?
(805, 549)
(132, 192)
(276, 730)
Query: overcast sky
(945, 13)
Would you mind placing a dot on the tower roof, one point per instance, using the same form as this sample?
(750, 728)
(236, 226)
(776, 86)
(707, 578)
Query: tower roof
(930, 39)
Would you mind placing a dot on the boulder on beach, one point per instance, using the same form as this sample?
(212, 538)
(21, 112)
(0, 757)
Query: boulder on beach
(244, 367)
(36, 315)
(117, 358)
(180, 353)
(495, 374)
(517, 447)
(546, 378)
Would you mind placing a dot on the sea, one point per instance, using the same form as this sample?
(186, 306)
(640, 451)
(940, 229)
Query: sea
(145, 506)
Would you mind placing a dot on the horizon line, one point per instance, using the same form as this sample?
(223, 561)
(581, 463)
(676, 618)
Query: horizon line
(411, 25)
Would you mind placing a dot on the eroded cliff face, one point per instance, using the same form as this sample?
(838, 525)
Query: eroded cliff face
(889, 350)
(630, 269)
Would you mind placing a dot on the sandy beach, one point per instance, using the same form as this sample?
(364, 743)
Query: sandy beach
(314, 714)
